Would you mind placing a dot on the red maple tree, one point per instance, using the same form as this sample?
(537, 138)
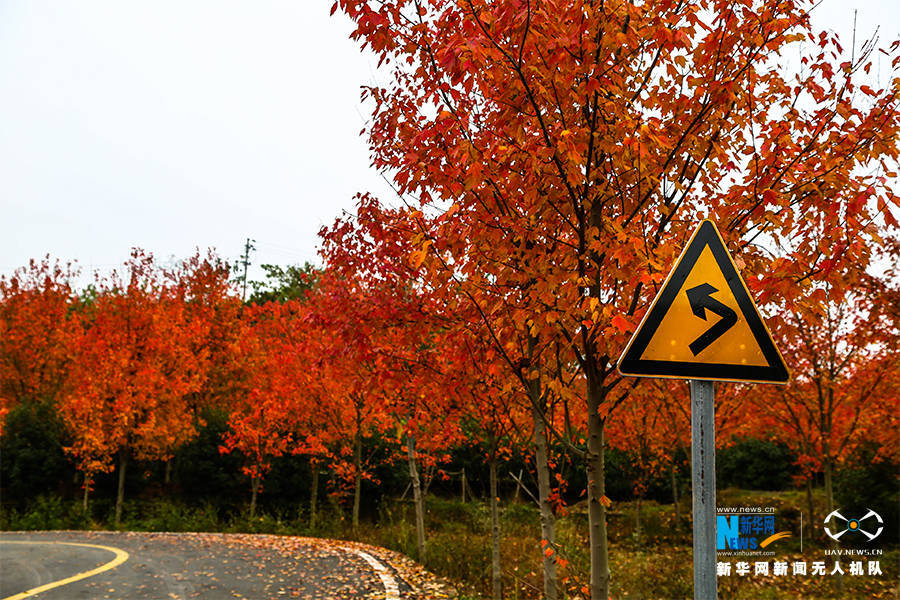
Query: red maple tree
(133, 370)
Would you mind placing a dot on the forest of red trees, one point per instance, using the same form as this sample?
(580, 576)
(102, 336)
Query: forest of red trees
(371, 346)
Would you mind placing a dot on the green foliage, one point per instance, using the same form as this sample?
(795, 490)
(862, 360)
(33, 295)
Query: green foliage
(754, 464)
(45, 512)
(621, 472)
(518, 516)
(283, 283)
(278, 523)
(202, 473)
(449, 513)
(33, 461)
(166, 515)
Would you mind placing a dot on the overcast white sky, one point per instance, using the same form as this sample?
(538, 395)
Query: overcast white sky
(172, 125)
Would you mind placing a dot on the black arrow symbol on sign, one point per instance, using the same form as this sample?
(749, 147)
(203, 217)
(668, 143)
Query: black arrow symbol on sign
(701, 300)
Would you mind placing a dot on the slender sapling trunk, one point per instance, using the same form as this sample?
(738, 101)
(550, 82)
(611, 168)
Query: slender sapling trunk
(357, 477)
(637, 524)
(548, 519)
(254, 484)
(120, 493)
(463, 485)
(675, 496)
(313, 494)
(87, 488)
(812, 509)
(596, 484)
(495, 530)
(417, 497)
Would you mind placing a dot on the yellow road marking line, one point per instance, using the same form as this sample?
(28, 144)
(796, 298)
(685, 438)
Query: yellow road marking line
(121, 556)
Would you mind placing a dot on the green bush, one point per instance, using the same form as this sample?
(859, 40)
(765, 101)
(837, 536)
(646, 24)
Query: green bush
(165, 515)
(33, 460)
(45, 512)
(202, 472)
(276, 523)
(754, 464)
(451, 514)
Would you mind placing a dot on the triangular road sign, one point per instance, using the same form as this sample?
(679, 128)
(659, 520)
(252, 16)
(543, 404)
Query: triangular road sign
(703, 324)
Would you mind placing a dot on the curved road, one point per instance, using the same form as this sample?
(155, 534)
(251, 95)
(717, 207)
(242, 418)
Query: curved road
(99, 565)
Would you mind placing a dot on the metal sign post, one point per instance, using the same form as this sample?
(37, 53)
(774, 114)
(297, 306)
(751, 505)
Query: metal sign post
(703, 477)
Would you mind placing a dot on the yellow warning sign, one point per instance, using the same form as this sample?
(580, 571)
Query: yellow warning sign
(703, 324)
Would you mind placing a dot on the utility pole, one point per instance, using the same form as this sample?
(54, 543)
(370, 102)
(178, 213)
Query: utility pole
(245, 258)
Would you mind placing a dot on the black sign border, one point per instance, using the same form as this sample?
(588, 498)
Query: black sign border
(630, 364)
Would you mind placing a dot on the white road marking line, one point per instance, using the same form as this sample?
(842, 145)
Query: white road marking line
(391, 591)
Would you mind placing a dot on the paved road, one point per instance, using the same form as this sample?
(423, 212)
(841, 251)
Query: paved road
(181, 566)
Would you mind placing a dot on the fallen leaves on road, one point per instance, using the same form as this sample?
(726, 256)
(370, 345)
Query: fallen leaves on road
(300, 567)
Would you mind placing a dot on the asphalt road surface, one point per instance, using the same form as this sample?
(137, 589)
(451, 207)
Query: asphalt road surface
(97, 565)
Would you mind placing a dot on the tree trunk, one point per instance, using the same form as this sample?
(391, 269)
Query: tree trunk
(829, 489)
(495, 530)
(87, 487)
(120, 493)
(357, 478)
(548, 520)
(828, 467)
(596, 484)
(254, 483)
(675, 497)
(313, 494)
(167, 478)
(812, 509)
(518, 485)
(637, 523)
(829, 506)
(463, 485)
(417, 497)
